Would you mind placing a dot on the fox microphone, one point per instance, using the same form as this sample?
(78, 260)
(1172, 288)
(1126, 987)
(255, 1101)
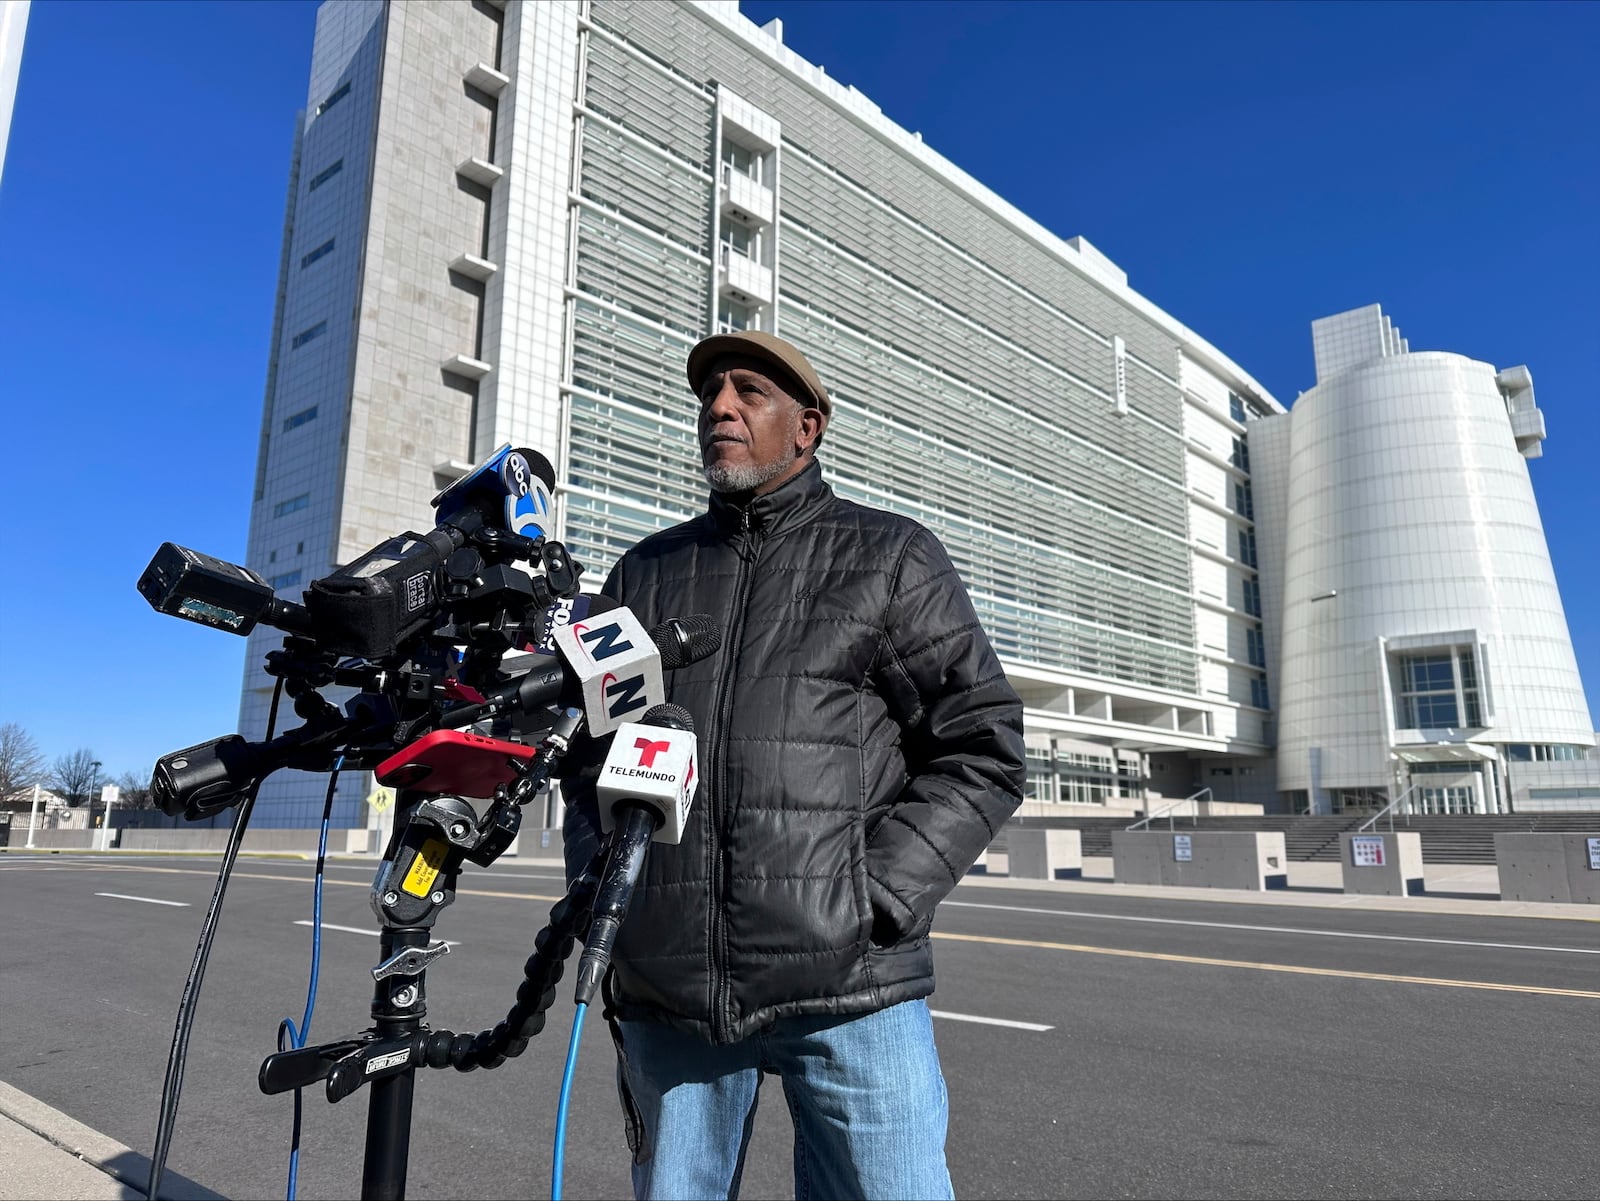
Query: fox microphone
(644, 792)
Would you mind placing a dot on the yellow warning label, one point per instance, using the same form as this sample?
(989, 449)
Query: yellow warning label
(425, 868)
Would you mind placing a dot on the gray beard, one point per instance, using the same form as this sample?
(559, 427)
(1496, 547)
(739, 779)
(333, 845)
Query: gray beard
(729, 477)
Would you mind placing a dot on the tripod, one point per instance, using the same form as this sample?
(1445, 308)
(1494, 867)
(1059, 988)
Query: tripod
(415, 880)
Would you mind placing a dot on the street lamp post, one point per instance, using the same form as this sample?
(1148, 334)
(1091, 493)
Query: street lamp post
(94, 779)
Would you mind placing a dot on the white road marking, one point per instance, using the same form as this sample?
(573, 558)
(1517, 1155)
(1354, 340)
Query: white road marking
(118, 896)
(968, 1017)
(346, 929)
(361, 930)
(1180, 921)
(136, 1012)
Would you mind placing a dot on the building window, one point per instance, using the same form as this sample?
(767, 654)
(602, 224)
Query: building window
(323, 176)
(1247, 547)
(293, 505)
(338, 94)
(1252, 596)
(1555, 752)
(741, 159)
(1256, 646)
(1243, 503)
(287, 580)
(1240, 457)
(1428, 692)
(299, 419)
(1438, 690)
(1258, 692)
(1236, 408)
(1358, 800)
(306, 335)
(1469, 687)
(740, 239)
(325, 249)
(1564, 794)
(733, 316)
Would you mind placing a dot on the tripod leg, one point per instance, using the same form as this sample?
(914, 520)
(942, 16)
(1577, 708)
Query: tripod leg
(383, 1174)
(398, 1006)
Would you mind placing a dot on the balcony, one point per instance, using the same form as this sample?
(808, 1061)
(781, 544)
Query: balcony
(473, 267)
(466, 366)
(746, 197)
(486, 79)
(480, 171)
(745, 278)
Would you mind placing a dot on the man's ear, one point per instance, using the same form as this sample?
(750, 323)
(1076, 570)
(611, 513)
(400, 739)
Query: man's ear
(809, 430)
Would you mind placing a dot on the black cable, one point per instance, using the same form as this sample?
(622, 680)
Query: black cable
(172, 1086)
(488, 1049)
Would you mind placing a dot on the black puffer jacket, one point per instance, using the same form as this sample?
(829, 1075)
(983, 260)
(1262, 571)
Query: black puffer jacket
(859, 746)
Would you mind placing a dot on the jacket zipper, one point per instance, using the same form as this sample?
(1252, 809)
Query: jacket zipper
(749, 548)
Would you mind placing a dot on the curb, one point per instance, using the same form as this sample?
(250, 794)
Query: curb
(69, 1137)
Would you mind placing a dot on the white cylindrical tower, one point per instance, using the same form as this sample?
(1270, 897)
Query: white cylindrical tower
(1422, 629)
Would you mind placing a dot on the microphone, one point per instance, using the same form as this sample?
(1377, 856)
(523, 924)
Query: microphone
(644, 792)
(618, 663)
(575, 675)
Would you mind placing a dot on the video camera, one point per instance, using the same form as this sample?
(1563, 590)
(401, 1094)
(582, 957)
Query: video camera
(421, 624)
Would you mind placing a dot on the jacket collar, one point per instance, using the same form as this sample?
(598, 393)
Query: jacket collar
(788, 505)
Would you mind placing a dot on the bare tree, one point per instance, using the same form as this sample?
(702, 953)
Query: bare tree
(21, 764)
(134, 790)
(74, 776)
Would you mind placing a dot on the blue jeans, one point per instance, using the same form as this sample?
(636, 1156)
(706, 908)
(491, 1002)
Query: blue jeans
(865, 1092)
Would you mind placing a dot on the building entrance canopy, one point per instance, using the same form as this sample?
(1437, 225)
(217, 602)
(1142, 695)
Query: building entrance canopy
(1447, 752)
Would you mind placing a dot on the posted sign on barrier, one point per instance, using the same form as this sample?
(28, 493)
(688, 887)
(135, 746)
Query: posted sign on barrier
(1594, 854)
(1182, 848)
(1366, 851)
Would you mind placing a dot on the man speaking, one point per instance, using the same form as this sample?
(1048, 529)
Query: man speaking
(859, 747)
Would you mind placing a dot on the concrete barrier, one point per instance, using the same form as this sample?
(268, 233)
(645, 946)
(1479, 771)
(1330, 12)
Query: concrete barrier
(303, 841)
(991, 863)
(57, 840)
(1045, 854)
(1549, 867)
(1382, 864)
(1253, 860)
(537, 842)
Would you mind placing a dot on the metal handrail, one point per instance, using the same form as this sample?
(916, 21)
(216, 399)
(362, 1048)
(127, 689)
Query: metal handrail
(1387, 809)
(1167, 812)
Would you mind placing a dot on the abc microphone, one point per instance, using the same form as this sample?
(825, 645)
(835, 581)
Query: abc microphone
(644, 792)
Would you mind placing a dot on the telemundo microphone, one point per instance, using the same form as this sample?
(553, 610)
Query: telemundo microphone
(644, 792)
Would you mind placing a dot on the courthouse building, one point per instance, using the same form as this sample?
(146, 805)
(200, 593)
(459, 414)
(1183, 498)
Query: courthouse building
(508, 222)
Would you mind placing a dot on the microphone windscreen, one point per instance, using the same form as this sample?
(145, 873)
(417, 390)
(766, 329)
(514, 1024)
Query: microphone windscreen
(668, 716)
(686, 640)
(539, 465)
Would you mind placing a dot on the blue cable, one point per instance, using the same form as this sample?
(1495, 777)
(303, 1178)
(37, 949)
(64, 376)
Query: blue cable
(556, 1160)
(297, 1038)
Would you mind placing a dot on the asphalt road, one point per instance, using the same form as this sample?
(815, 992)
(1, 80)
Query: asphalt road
(1188, 1048)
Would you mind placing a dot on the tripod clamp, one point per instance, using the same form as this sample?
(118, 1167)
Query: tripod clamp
(349, 1063)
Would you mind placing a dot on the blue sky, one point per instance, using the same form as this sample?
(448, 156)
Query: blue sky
(1251, 166)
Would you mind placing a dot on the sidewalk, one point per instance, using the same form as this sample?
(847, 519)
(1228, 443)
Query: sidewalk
(48, 1154)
